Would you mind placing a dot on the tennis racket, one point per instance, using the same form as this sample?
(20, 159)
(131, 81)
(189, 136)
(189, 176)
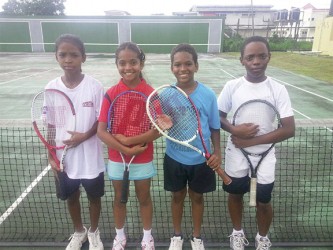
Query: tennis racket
(53, 114)
(127, 116)
(266, 116)
(175, 116)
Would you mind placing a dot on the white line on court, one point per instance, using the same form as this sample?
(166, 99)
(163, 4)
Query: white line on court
(299, 112)
(23, 195)
(1, 83)
(309, 92)
(11, 72)
(228, 73)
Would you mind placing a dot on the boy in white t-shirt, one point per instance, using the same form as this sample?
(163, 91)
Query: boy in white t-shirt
(84, 161)
(255, 56)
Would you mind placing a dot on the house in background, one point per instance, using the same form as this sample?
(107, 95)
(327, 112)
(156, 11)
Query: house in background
(244, 20)
(299, 23)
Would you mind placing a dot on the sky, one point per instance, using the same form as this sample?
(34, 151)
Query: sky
(166, 7)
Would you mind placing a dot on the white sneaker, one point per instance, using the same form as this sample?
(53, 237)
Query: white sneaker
(95, 242)
(176, 243)
(197, 244)
(263, 243)
(76, 240)
(148, 245)
(118, 244)
(238, 241)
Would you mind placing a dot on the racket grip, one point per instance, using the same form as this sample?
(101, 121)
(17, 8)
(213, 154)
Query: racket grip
(124, 188)
(253, 192)
(226, 179)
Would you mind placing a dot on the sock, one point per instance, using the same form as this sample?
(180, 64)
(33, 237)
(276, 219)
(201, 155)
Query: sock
(90, 231)
(146, 235)
(120, 234)
(234, 231)
(178, 235)
(259, 236)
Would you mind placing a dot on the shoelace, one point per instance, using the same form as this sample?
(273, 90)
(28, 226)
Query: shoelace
(198, 244)
(264, 244)
(175, 242)
(147, 245)
(118, 243)
(74, 238)
(94, 238)
(239, 240)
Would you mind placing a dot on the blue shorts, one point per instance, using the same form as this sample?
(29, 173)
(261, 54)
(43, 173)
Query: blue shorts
(144, 171)
(200, 178)
(242, 186)
(65, 186)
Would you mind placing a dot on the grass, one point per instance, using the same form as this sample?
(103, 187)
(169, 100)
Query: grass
(317, 67)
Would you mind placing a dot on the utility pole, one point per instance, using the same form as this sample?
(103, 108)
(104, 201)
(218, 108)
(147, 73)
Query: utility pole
(252, 15)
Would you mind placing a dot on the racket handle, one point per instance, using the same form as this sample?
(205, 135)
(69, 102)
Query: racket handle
(253, 192)
(226, 179)
(124, 187)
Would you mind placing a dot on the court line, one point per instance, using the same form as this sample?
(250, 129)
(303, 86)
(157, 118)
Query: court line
(24, 194)
(307, 91)
(7, 73)
(20, 78)
(288, 84)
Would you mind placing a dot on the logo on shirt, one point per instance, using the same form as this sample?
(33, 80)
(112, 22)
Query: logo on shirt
(88, 104)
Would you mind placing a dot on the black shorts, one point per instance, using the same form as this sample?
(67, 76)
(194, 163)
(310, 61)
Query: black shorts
(65, 186)
(242, 186)
(200, 178)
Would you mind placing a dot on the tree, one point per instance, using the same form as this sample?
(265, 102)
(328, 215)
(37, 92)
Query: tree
(34, 7)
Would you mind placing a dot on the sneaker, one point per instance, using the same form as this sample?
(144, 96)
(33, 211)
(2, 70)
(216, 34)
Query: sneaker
(238, 241)
(118, 244)
(176, 243)
(148, 245)
(197, 244)
(263, 243)
(76, 240)
(95, 242)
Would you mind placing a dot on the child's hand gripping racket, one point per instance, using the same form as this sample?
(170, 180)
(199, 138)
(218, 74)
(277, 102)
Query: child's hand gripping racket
(127, 116)
(53, 114)
(265, 115)
(175, 116)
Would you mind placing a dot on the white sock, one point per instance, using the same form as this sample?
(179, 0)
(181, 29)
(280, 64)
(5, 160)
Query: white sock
(146, 235)
(234, 231)
(259, 236)
(120, 234)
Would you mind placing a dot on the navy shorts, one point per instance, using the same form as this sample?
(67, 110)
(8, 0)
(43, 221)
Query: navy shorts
(242, 186)
(65, 186)
(200, 178)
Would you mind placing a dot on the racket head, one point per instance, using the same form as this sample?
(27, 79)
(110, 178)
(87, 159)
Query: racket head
(169, 102)
(259, 112)
(52, 114)
(127, 115)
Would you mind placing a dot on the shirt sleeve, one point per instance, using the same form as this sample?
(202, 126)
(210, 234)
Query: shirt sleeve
(103, 115)
(224, 99)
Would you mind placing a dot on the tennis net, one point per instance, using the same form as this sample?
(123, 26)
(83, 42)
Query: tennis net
(302, 198)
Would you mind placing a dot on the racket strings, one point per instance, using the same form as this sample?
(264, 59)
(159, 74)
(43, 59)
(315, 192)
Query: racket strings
(170, 102)
(258, 113)
(128, 115)
(53, 117)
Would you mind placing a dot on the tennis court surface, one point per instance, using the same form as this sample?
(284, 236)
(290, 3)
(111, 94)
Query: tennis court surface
(31, 215)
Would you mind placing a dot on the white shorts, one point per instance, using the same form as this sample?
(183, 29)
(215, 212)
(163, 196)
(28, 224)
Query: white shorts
(143, 171)
(237, 166)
